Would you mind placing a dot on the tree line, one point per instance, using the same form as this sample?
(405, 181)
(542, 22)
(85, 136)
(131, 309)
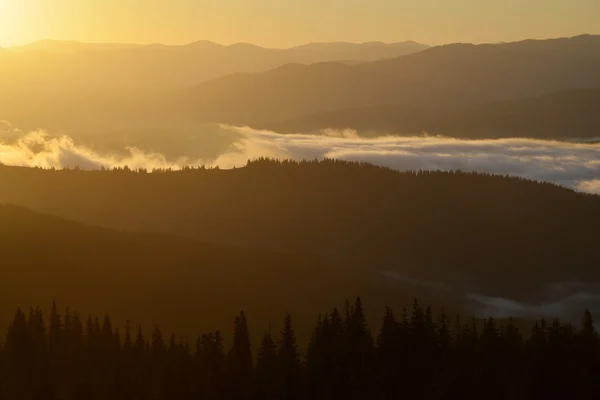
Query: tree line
(414, 355)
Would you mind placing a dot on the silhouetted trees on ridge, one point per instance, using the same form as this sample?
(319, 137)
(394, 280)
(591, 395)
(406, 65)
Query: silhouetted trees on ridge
(414, 355)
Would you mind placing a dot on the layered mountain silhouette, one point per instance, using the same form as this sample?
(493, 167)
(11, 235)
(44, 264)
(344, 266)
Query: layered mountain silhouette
(504, 71)
(308, 53)
(455, 89)
(446, 76)
(85, 84)
(564, 114)
(295, 89)
(144, 67)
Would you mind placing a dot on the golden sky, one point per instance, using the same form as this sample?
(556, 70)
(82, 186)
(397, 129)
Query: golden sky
(282, 23)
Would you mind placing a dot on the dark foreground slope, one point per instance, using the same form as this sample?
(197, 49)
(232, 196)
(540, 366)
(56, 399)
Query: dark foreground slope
(185, 285)
(473, 233)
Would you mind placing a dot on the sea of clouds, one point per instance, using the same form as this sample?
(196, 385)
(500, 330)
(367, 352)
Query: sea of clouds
(571, 164)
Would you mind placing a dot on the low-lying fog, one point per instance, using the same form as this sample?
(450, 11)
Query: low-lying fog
(564, 300)
(568, 163)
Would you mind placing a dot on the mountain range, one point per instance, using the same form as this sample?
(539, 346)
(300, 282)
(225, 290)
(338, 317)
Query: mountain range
(446, 76)
(124, 67)
(489, 90)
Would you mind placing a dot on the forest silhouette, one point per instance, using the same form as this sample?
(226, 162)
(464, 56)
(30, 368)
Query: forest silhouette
(414, 354)
(300, 234)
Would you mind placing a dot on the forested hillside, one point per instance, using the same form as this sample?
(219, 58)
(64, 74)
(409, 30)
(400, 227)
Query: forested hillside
(500, 235)
(167, 279)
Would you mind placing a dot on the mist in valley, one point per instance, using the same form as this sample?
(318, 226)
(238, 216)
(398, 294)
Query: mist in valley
(325, 214)
(569, 163)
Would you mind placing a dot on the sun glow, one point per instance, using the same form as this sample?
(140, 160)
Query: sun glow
(9, 21)
(14, 21)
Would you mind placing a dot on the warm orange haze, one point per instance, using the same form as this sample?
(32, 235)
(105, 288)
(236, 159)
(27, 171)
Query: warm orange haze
(321, 200)
(286, 23)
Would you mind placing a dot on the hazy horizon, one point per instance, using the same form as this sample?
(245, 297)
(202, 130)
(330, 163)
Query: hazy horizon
(269, 24)
(284, 47)
(167, 165)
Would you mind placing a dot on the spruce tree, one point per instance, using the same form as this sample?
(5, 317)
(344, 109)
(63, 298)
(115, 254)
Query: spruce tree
(288, 362)
(239, 360)
(266, 369)
(18, 357)
(55, 350)
(390, 357)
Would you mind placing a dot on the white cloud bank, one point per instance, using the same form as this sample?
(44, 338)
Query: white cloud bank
(38, 149)
(576, 165)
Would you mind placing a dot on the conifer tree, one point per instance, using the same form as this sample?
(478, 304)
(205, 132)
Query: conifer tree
(390, 357)
(239, 360)
(55, 350)
(266, 369)
(18, 359)
(587, 324)
(288, 362)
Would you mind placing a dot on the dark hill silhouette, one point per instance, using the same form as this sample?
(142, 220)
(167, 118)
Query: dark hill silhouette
(161, 278)
(447, 76)
(295, 89)
(560, 115)
(504, 71)
(497, 235)
(339, 51)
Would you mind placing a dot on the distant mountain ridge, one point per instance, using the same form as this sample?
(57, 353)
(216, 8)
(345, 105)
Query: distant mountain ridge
(559, 115)
(503, 71)
(444, 76)
(62, 46)
(246, 84)
(158, 66)
(294, 89)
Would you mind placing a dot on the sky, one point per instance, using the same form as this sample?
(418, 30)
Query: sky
(285, 23)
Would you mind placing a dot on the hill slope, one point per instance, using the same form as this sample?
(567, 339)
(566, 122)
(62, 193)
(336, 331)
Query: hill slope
(83, 85)
(497, 235)
(296, 89)
(187, 286)
(446, 76)
(566, 114)
(503, 71)
(147, 67)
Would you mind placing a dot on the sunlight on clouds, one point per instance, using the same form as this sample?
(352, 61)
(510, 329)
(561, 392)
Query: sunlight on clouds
(38, 149)
(575, 165)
